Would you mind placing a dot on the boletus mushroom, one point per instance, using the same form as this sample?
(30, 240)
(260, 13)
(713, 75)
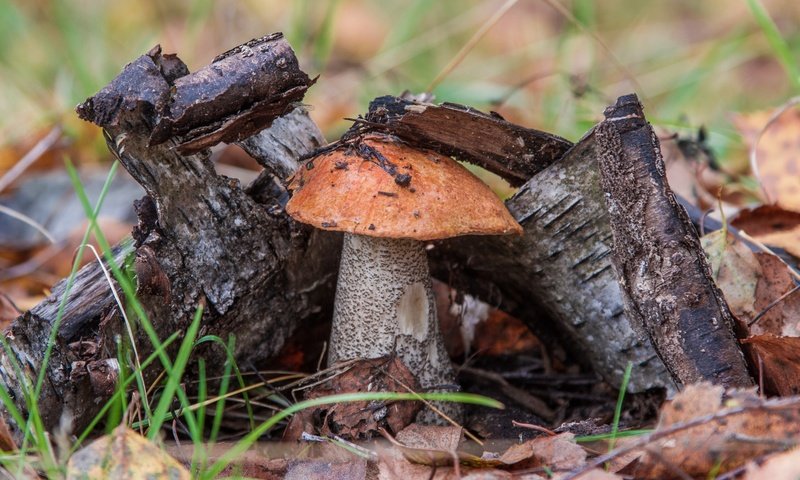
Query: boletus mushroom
(389, 198)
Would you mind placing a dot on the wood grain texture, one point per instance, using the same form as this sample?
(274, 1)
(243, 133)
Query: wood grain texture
(511, 151)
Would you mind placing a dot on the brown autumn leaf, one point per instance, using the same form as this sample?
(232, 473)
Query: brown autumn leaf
(781, 318)
(424, 447)
(557, 453)
(778, 361)
(778, 153)
(736, 271)
(717, 442)
(781, 466)
(434, 445)
(124, 455)
(440, 446)
(772, 225)
(471, 325)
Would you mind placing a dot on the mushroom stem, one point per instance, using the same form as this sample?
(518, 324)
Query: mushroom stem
(385, 305)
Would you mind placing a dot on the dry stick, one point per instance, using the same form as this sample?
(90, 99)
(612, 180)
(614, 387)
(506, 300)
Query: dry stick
(511, 151)
(666, 282)
(771, 406)
(532, 403)
(41, 147)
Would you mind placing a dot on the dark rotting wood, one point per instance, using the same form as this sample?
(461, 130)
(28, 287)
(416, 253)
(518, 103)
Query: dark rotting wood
(201, 237)
(512, 152)
(666, 282)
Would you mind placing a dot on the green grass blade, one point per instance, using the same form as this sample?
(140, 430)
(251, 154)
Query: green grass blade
(92, 213)
(128, 288)
(626, 378)
(230, 363)
(174, 378)
(776, 41)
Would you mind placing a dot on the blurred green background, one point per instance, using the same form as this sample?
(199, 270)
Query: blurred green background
(544, 64)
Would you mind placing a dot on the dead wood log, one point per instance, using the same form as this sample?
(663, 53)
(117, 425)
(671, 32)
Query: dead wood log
(200, 238)
(557, 277)
(664, 275)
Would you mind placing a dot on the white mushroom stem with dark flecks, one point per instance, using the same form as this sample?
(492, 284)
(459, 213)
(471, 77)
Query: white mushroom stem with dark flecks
(385, 305)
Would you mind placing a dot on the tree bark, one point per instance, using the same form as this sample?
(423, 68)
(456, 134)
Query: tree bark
(513, 152)
(200, 238)
(558, 277)
(666, 282)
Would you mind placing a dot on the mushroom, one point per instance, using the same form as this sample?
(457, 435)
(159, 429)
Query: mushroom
(389, 199)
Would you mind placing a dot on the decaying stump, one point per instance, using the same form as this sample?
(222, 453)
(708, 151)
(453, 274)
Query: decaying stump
(201, 237)
(664, 275)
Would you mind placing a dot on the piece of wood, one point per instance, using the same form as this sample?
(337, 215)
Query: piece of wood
(664, 275)
(201, 238)
(511, 151)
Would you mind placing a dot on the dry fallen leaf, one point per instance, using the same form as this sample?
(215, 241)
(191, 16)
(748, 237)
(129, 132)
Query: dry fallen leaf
(124, 455)
(755, 427)
(736, 271)
(778, 310)
(557, 453)
(778, 153)
(772, 225)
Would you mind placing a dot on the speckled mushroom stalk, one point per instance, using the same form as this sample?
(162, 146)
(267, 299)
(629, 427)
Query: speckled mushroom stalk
(385, 305)
(388, 198)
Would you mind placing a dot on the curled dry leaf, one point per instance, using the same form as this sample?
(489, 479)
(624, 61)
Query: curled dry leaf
(755, 427)
(753, 284)
(124, 455)
(778, 310)
(777, 154)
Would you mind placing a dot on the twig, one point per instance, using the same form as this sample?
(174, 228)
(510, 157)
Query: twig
(29, 158)
(768, 307)
(522, 397)
(780, 404)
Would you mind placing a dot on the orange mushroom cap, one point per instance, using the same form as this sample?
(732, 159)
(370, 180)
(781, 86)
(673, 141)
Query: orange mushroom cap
(352, 191)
